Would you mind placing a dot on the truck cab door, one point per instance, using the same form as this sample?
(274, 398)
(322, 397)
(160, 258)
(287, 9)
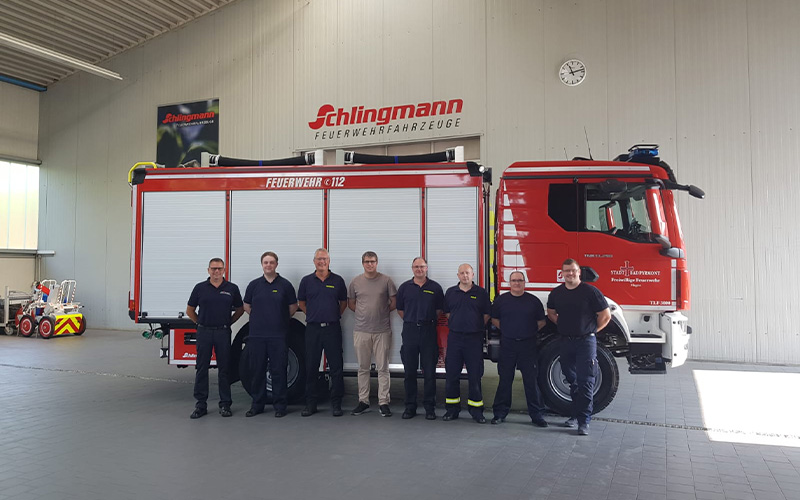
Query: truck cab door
(621, 233)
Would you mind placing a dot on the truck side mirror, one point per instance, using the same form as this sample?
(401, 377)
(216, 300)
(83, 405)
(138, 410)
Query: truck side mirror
(696, 192)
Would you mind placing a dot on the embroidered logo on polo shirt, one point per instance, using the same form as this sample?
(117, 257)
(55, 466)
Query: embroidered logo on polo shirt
(473, 297)
(428, 291)
(329, 286)
(274, 291)
(223, 292)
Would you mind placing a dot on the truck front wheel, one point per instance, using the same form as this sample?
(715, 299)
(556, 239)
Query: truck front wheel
(555, 389)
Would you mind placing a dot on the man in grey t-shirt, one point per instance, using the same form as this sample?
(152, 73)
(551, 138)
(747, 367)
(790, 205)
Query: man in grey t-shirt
(372, 297)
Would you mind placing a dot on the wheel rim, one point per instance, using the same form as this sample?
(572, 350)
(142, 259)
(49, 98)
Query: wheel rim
(292, 371)
(559, 385)
(26, 326)
(45, 328)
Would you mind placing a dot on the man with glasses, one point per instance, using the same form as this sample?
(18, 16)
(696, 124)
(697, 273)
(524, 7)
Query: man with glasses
(220, 306)
(271, 302)
(580, 311)
(322, 295)
(372, 297)
(420, 302)
(519, 316)
(467, 307)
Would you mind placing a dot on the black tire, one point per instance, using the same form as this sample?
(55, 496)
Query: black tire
(295, 368)
(555, 390)
(82, 327)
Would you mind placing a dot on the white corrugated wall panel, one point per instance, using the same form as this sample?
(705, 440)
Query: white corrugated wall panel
(515, 125)
(641, 76)
(459, 62)
(271, 100)
(408, 61)
(360, 72)
(19, 122)
(572, 30)
(124, 149)
(775, 107)
(315, 66)
(91, 224)
(713, 123)
(61, 113)
(232, 72)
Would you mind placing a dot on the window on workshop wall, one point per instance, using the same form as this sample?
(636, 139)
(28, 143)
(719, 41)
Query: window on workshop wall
(19, 206)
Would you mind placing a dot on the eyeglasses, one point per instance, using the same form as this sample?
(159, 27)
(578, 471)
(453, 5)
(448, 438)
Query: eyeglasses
(517, 281)
(369, 261)
(216, 268)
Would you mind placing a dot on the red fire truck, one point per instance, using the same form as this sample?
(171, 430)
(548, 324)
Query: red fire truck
(617, 218)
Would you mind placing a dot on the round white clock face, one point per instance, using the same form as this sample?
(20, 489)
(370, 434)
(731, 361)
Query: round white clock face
(572, 72)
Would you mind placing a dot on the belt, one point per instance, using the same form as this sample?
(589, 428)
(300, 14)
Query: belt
(422, 323)
(213, 327)
(323, 325)
(577, 337)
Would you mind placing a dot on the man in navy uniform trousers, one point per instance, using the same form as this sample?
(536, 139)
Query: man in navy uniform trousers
(420, 302)
(271, 302)
(519, 316)
(580, 311)
(322, 295)
(467, 307)
(220, 306)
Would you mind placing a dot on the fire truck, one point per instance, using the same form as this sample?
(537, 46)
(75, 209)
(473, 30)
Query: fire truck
(617, 218)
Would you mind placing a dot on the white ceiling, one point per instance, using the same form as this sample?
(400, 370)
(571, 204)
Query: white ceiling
(89, 30)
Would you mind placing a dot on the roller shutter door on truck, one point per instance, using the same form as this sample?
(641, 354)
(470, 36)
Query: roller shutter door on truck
(181, 232)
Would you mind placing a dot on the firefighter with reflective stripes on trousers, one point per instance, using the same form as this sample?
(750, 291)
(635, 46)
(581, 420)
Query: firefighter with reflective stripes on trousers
(419, 302)
(467, 307)
(220, 306)
(271, 302)
(519, 316)
(580, 311)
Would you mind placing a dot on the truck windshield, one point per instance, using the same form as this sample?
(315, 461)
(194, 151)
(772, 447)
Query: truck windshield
(622, 214)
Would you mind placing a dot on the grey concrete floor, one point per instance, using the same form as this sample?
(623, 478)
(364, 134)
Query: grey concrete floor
(100, 416)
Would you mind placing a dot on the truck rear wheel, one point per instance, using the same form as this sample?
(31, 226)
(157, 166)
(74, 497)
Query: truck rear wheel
(295, 367)
(555, 389)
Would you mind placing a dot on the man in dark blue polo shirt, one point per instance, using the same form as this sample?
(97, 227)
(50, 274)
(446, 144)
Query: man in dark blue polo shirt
(467, 307)
(220, 306)
(420, 302)
(322, 295)
(271, 302)
(519, 316)
(580, 311)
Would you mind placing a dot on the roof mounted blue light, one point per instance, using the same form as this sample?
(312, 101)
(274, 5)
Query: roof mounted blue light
(643, 149)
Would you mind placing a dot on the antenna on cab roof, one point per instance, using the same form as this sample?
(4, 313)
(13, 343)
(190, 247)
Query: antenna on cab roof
(587, 143)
